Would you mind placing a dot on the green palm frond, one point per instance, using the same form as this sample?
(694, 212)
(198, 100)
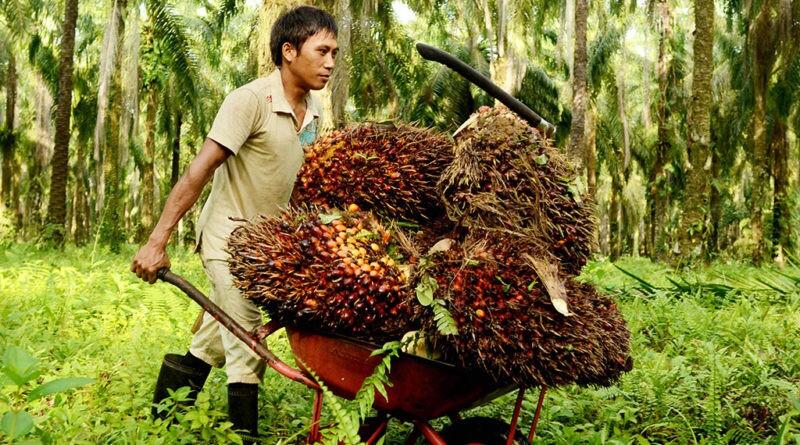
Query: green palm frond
(447, 99)
(783, 95)
(599, 55)
(16, 15)
(540, 93)
(170, 31)
(222, 14)
(43, 58)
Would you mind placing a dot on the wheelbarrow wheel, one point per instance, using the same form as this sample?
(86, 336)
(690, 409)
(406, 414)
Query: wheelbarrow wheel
(481, 431)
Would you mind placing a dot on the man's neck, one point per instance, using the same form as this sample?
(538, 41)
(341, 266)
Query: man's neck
(295, 94)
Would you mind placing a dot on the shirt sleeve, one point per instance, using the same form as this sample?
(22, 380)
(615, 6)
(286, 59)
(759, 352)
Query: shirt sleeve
(236, 120)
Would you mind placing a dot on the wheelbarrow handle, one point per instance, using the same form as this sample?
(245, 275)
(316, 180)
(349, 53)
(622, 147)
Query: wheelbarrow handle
(471, 74)
(252, 340)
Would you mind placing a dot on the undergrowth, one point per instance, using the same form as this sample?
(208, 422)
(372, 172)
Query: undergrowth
(716, 358)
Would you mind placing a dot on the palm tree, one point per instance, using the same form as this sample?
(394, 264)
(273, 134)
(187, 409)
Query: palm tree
(577, 144)
(58, 184)
(8, 135)
(696, 202)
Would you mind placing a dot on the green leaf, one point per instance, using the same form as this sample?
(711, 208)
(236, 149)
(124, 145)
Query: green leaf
(329, 218)
(58, 385)
(16, 424)
(445, 323)
(541, 159)
(425, 290)
(20, 366)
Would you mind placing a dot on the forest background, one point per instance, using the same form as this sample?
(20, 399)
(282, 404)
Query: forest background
(682, 115)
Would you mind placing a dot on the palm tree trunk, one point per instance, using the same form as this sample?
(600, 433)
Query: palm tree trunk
(613, 219)
(8, 132)
(176, 150)
(340, 81)
(81, 189)
(577, 145)
(695, 203)
(762, 43)
(657, 177)
(112, 233)
(56, 210)
(148, 175)
(715, 208)
(780, 198)
(591, 157)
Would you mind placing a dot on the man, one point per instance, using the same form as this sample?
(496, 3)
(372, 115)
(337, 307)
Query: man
(254, 151)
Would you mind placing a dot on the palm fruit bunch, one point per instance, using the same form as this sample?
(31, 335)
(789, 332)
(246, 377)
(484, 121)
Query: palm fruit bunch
(507, 176)
(507, 326)
(391, 169)
(333, 272)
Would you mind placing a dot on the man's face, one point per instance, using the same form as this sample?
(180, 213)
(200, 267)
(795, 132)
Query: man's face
(313, 64)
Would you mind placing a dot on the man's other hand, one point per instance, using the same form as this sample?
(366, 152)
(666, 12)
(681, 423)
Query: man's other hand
(148, 261)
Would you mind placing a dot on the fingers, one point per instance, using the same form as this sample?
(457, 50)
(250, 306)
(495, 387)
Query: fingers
(146, 265)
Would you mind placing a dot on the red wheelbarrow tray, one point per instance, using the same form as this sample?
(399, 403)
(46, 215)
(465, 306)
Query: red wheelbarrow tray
(422, 389)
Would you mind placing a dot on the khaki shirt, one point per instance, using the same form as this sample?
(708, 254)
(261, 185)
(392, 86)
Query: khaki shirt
(256, 123)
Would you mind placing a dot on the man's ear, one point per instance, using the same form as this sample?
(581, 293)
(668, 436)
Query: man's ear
(289, 52)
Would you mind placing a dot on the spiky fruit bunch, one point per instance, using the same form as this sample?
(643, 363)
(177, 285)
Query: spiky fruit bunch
(508, 327)
(391, 169)
(507, 176)
(331, 272)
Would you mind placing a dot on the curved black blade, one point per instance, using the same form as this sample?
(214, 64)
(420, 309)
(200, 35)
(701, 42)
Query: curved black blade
(434, 54)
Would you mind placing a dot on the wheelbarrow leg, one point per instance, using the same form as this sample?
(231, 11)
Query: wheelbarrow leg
(532, 434)
(512, 430)
(379, 432)
(314, 435)
(429, 433)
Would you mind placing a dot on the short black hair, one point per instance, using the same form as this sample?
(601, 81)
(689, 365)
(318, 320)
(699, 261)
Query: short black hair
(295, 26)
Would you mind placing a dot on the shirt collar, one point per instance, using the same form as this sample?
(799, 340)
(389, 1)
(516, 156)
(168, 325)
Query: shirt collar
(279, 102)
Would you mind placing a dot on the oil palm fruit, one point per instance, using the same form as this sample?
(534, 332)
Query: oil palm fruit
(507, 176)
(508, 326)
(332, 271)
(391, 169)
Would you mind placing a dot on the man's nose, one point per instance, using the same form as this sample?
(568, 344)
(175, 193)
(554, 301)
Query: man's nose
(329, 61)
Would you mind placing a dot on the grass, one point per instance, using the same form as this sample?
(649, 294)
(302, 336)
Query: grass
(717, 357)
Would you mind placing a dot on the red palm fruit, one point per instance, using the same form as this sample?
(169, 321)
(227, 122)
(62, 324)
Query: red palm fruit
(300, 283)
(391, 169)
(509, 329)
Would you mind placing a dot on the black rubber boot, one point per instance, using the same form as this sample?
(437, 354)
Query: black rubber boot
(178, 371)
(243, 410)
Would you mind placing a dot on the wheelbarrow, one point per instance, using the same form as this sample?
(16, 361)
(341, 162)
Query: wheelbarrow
(422, 389)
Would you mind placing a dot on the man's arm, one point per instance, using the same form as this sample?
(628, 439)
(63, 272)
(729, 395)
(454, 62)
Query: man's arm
(153, 255)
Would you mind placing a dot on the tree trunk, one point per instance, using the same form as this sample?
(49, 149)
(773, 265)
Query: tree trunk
(81, 190)
(591, 158)
(657, 176)
(112, 233)
(56, 211)
(615, 239)
(148, 170)
(577, 145)
(9, 137)
(693, 229)
(780, 199)
(175, 167)
(340, 80)
(715, 207)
